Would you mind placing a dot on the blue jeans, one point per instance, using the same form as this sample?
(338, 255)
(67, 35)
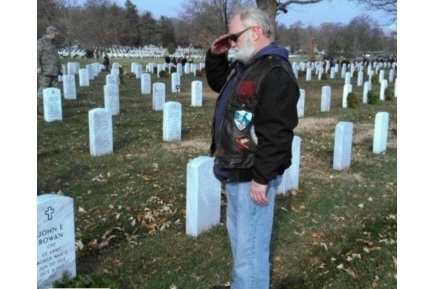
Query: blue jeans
(249, 228)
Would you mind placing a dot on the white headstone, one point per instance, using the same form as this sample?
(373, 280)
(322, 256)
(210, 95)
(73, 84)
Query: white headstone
(290, 180)
(203, 196)
(56, 239)
(343, 145)
(395, 87)
(381, 75)
(391, 76)
(84, 77)
(71, 68)
(160, 68)
(158, 95)
(115, 65)
(194, 69)
(187, 68)
(301, 103)
(111, 98)
(308, 74)
(100, 132)
(112, 79)
(383, 86)
(69, 87)
(343, 71)
(145, 83)
(52, 104)
(347, 78)
(325, 104)
(332, 76)
(346, 90)
(175, 82)
(196, 93)
(380, 132)
(360, 78)
(91, 74)
(138, 70)
(365, 92)
(179, 68)
(172, 121)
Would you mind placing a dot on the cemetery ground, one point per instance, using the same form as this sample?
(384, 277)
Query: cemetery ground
(337, 230)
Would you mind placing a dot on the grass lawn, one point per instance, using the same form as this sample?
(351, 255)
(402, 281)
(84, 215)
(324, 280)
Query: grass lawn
(338, 230)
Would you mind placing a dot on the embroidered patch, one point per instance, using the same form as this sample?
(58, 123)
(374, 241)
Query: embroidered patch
(242, 118)
(243, 143)
(247, 88)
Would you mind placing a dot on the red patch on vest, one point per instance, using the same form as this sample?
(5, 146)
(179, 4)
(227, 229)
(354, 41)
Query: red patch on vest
(242, 143)
(247, 88)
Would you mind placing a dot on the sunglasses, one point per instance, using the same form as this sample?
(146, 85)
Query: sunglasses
(235, 37)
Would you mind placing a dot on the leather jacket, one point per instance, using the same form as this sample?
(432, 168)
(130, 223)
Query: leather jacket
(256, 129)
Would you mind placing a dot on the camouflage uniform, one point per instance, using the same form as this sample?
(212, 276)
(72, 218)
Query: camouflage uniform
(49, 63)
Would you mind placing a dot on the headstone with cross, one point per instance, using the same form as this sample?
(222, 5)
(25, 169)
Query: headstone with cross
(56, 239)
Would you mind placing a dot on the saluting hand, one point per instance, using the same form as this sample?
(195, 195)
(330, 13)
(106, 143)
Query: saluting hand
(221, 45)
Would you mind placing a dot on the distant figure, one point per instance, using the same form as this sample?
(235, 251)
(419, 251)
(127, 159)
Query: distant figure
(106, 62)
(49, 66)
(167, 59)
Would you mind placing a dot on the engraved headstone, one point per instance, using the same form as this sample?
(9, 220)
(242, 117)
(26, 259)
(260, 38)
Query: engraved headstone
(347, 88)
(360, 78)
(301, 103)
(158, 95)
(196, 93)
(347, 78)
(52, 104)
(112, 79)
(90, 71)
(83, 75)
(56, 239)
(69, 87)
(172, 121)
(325, 104)
(308, 74)
(203, 196)
(145, 83)
(111, 98)
(365, 92)
(380, 132)
(100, 132)
(343, 145)
(383, 86)
(175, 82)
(290, 180)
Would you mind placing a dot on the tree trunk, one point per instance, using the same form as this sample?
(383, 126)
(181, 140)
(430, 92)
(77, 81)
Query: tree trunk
(270, 7)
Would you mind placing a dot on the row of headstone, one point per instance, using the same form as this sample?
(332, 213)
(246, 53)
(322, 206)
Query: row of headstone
(347, 88)
(344, 138)
(203, 189)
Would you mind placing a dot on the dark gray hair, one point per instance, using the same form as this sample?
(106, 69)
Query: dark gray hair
(256, 17)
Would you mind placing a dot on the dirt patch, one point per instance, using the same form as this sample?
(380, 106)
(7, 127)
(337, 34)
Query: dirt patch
(192, 146)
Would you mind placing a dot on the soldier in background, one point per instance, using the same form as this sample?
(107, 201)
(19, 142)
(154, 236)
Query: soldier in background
(49, 66)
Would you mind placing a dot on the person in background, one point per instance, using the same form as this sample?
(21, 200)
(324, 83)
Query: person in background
(252, 134)
(106, 62)
(49, 66)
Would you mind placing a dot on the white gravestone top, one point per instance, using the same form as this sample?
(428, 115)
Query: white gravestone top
(172, 121)
(56, 239)
(52, 104)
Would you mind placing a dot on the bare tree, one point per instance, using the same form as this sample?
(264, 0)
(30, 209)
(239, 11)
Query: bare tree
(272, 7)
(209, 18)
(387, 6)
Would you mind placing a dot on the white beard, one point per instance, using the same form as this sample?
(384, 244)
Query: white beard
(244, 54)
